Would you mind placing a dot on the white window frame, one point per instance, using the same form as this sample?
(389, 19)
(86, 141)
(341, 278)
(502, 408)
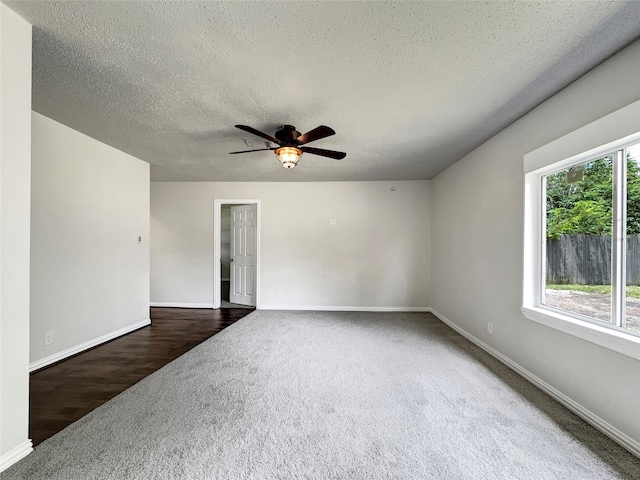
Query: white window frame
(606, 135)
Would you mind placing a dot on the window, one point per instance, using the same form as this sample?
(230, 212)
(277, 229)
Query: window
(582, 232)
(589, 266)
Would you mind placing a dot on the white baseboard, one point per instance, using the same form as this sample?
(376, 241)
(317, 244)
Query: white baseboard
(609, 430)
(331, 308)
(56, 357)
(181, 305)
(15, 454)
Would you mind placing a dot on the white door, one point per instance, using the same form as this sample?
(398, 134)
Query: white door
(242, 261)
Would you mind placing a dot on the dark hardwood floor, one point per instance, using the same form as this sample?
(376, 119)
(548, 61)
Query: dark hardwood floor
(63, 393)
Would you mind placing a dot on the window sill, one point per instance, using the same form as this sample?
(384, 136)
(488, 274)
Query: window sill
(618, 341)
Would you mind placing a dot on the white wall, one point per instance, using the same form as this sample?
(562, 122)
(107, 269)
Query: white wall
(477, 246)
(15, 99)
(376, 256)
(89, 274)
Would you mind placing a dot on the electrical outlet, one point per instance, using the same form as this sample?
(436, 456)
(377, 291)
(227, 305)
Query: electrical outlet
(490, 328)
(48, 338)
(278, 293)
(333, 222)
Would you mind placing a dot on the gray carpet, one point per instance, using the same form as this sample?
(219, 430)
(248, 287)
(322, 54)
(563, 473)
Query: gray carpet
(315, 395)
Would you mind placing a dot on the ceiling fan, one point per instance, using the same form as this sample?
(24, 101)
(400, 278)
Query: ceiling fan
(291, 143)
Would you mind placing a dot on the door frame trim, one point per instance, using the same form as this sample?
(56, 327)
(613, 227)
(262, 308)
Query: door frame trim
(217, 212)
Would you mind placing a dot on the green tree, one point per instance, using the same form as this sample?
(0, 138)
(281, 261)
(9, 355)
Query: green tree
(586, 216)
(633, 196)
(585, 206)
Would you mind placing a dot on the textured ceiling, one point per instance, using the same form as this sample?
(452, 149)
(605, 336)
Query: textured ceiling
(409, 87)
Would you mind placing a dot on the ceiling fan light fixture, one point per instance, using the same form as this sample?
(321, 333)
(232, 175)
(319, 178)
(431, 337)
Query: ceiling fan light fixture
(288, 156)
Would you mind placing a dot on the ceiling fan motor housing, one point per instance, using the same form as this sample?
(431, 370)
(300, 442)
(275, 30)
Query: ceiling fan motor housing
(287, 134)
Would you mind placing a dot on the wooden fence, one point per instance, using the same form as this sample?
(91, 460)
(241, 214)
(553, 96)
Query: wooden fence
(586, 260)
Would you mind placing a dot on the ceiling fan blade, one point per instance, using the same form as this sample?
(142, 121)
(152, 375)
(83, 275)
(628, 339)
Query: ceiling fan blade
(258, 150)
(246, 128)
(324, 153)
(315, 134)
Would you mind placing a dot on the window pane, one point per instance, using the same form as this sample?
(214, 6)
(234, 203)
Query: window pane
(578, 244)
(633, 238)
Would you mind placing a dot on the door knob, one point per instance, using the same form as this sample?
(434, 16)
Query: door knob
(231, 260)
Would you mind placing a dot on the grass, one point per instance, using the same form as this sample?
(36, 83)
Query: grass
(633, 291)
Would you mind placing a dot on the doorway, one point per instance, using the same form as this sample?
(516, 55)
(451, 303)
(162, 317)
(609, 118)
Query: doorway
(236, 275)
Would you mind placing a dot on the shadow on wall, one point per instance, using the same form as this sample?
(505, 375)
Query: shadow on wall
(225, 240)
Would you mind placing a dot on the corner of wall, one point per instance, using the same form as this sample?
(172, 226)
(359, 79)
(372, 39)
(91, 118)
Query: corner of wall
(15, 204)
